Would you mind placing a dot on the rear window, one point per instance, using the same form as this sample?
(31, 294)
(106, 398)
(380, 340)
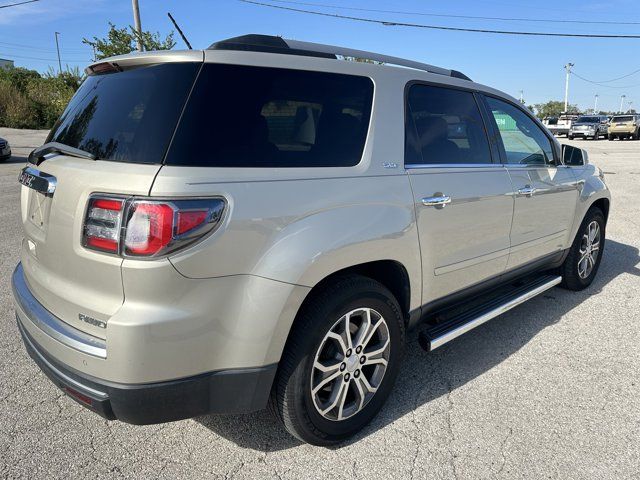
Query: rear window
(127, 116)
(626, 118)
(588, 120)
(242, 116)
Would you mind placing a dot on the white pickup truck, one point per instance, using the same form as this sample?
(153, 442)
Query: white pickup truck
(559, 125)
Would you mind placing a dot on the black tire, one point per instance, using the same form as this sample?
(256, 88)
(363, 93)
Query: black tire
(611, 137)
(291, 397)
(570, 137)
(637, 135)
(571, 279)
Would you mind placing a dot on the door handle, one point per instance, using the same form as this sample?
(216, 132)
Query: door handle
(439, 201)
(527, 191)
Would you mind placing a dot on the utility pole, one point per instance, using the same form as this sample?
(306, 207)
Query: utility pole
(622, 97)
(595, 105)
(522, 97)
(136, 22)
(567, 67)
(630, 103)
(58, 49)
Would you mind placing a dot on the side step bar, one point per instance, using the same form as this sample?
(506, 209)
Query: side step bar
(441, 333)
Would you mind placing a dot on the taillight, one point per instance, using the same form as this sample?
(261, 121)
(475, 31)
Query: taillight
(102, 224)
(141, 227)
(149, 229)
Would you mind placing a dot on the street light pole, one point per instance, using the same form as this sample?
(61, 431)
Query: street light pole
(595, 105)
(58, 49)
(136, 22)
(522, 96)
(567, 67)
(622, 97)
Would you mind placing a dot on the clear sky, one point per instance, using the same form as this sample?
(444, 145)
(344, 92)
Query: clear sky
(509, 63)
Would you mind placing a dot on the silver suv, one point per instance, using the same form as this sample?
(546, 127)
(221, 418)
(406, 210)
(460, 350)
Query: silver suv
(262, 221)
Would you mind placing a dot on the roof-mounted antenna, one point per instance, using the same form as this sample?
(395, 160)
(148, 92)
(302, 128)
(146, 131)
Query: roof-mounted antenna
(180, 31)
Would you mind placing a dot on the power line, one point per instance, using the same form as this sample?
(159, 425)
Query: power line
(442, 15)
(43, 59)
(19, 3)
(602, 85)
(21, 46)
(436, 27)
(618, 78)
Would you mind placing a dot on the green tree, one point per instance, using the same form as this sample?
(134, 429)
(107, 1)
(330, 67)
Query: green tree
(552, 108)
(31, 100)
(120, 41)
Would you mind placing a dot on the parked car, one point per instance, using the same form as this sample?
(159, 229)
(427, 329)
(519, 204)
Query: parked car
(560, 125)
(590, 126)
(625, 126)
(5, 150)
(212, 231)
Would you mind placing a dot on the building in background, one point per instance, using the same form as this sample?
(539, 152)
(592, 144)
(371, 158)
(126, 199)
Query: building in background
(4, 63)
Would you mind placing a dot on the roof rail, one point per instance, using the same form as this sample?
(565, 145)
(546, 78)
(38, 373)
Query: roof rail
(273, 44)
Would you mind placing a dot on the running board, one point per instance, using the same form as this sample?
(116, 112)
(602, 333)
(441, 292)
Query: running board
(441, 333)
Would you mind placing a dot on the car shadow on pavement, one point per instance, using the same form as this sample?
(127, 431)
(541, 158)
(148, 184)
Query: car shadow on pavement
(16, 159)
(428, 376)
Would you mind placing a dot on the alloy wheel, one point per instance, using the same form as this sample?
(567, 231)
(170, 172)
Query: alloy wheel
(350, 364)
(589, 250)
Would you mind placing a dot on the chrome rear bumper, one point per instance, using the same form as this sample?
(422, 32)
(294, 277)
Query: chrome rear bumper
(49, 323)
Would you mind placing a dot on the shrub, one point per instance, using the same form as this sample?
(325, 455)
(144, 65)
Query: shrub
(16, 110)
(29, 100)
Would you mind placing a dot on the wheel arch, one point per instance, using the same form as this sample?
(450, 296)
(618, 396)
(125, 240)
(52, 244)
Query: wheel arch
(390, 273)
(603, 204)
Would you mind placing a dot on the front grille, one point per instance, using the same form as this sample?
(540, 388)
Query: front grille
(3, 144)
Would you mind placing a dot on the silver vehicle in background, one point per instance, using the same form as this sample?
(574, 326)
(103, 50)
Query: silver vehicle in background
(589, 126)
(261, 222)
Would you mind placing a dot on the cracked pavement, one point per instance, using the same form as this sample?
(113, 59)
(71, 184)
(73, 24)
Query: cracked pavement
(551, 389)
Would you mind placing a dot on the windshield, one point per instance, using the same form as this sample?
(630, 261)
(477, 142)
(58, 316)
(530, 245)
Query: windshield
(588, 120)
(126, 116)
(627, 118)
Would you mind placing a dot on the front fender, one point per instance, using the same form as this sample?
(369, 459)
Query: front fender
(592, 188)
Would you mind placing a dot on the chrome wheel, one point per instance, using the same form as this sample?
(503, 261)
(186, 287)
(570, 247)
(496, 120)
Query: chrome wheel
(589, 250)
(350, 364)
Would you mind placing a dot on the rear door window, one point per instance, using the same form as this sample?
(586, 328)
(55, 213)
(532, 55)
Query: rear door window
(127, 116)
(444, 126)
(243, 116)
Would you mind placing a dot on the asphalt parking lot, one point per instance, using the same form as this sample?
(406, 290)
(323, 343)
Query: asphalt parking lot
(549, 390)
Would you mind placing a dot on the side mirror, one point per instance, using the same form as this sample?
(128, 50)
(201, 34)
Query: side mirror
(574, 156)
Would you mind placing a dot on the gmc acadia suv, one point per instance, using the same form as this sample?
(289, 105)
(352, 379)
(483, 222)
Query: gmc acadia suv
(262, 221)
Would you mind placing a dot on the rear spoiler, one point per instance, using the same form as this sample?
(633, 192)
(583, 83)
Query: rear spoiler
(131, 60)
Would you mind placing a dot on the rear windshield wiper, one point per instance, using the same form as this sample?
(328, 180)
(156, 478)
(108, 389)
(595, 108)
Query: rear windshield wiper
(37, 156)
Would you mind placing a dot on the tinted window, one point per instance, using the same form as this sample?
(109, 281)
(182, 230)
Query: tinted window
(626, 118)
(126, 116)
(240, 116)
(524, 142)
(588, 120)
(447, 127)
